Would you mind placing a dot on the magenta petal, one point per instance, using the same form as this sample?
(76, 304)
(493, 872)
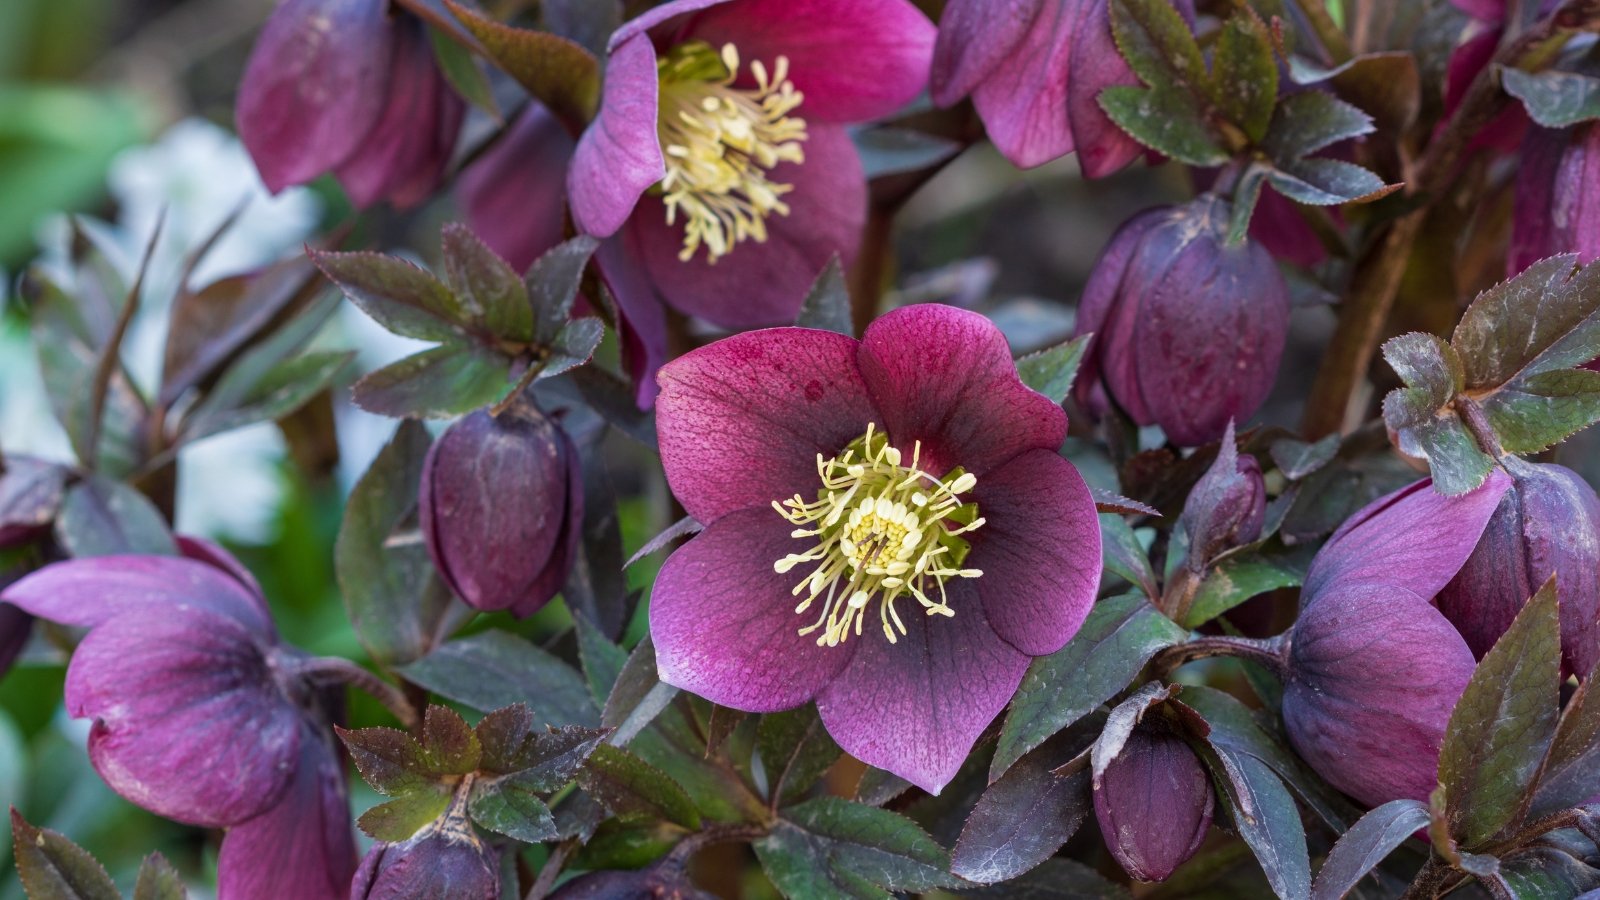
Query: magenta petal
(916, 707)
(945, 377)
(1098, 309)
(652, 18)
(1414, 538)
(87, 592)
(1483, 10)
(974, 37)
(1103, 148)
(188, 719)
(763, 284)
(515, 195)
(314, 86)
(1039, 551)
(619, 156)
(1374, 673)
(854, 60)
(741, 421)
(724, 623)
(643, 328)
(1023, 103)
(303, 847)
(213, 554)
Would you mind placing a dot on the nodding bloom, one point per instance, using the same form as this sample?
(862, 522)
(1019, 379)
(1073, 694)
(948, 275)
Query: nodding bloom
(719, 163)
(201, 715)
(346, 86)
(1374, 668)
(889, 532)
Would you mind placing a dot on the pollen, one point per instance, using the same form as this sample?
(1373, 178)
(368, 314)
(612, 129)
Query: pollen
(880, 531)
(721, 142)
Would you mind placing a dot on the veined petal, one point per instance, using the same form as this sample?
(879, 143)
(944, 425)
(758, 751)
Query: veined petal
(1023, 102)
(619, 156)
(87, 592)
(974, 37)
(643, 328)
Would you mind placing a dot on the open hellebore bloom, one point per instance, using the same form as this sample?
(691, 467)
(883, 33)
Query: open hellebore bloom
(1547, 523)
(889, 531)
(344, 86)
(1188, 330)
(1035, 70)
(1154, 803)
(1557, 206)
(501, 506)
(1374, 668)
(199, 714)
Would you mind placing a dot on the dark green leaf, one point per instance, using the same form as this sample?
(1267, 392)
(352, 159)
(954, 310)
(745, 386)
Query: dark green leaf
(54, 868)
(1309, 121)
(796, 750)
(628, 785)
(1166, 121)
(158, 880)
(1422, 416)
(1297, 459)
(399, 295)
(460, 68)
(615, 402)
(400, 819)
(450, 743)
(602, 660)
(1265, 815)
(1387, 84)
(490, 295)
(1545, 873)
(1543, 320)
(887, 150)
(1360, 849)
(1055, 879)
(1328, 182)
(440, 383)
(280, 391)
(638, 696)
(1536, 412)
(390, 760)
(244, 380)
(1246, 194)
(830, 847)
(1571, 771)
(1502, 726)
(552, 285)
(1051, 371)
(557, 72)
(1118, 638)
(101, 517)
(878, 787)
(827, 304)
(1157, 43)
(1239, 578)
(1125, 555)
(1554, 99)
(548, 759)
(574, 345)
(510, 805)
(596, 587)
(495, 668)
(1244, 74)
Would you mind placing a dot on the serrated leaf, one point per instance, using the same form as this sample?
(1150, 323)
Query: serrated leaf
(795, 750)
(1328, 182)
(1055, 879)
(488, 291)
(1244, 83)
(573, 346)
(451, 746)
(1386, 84)
(389, 760)
(557, 72)
(510, 805)
(1124, 555)
(1052, 371)
(601, 658)
(1309, 121)
(495, 668)
(638, 696)
(158, 880)
(629, 786)
(1240, 578)
(446, 381)
(401, 818)
(1120, 723)
(1503, 725)
(1157, 43)
(1537, 412)
(1543, 320)
(830, 847)
(1298, 459)
(1554, 99)
(280, 391)
(1359, 850)
(1422, 414)
(102, 517)
(1265, 815)
(1570, 774)
(1118, 638)
(546, 759)
(827, 304)
(1166, 121)
(552, 284)
(1546, 873)
(399, 295)
(54, 868)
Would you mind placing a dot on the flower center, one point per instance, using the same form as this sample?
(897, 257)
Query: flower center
(883, 530)
(719, 143)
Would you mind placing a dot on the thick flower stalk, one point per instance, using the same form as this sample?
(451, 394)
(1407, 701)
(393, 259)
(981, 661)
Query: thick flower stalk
(890, 532)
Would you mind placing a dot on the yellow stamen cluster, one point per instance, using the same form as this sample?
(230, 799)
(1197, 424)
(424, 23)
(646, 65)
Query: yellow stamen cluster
(883, 530)
(719, 143)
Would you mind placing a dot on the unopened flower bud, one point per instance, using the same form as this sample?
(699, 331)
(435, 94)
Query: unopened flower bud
(1227, 507)
(502, 509)
(436, 863)
(1154, 803)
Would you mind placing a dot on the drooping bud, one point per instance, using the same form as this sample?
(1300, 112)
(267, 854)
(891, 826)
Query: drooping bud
(1189, 330)
(1547, 523)
(1154, 803)
(1227, 507)
(1557, 193)
(501, 509)
(435, 863)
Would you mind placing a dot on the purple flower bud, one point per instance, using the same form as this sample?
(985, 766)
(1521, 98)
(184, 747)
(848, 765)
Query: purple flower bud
(1154, 804)
(1227, 507)
(502, 509)
(1557, 197)
(438, 862)
(1547, 523)
(1189, 330)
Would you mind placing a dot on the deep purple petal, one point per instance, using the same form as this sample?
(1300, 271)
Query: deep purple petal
(945, 377)
(759, 285)
(213, 554)
(1374, 673)
(1023, 102)
(916, 707)
(188, 720)
(742, 420)
(1102, 147)
(619, 156)
(724, 623)
(434, 864)
(1154, 804)
(643, 328)
(1534, 234)
(303, 847)
(515, 195)
(854, 60)
(314, 86)
(1039, 551)
(559, 568)
(1101, 312)
(974, 37)
(86, 592)
(1414, 538)
(1483, 10)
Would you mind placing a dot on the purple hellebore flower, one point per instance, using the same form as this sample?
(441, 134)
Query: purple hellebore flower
(1035, 70)
(1557, 205)
(343, 86)
(501, 506)
(719, 162)
(198, 714)
(909, 477)
(1374, 668)
(1547, 523)
(1188, 330)
(1154, 804)
(442, 861)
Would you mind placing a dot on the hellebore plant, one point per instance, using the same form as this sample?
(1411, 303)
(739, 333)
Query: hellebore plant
(889, 532)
